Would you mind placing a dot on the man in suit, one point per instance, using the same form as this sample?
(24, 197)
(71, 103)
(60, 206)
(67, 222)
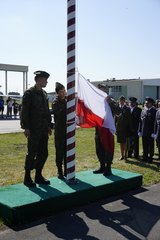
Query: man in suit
(146, 129)
(135, 120)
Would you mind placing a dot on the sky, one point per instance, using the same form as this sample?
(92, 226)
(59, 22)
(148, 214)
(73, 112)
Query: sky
(114, 39)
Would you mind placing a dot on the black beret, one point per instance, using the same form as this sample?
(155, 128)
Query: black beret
(148, 99)
(133, 99)
(41, 74)
(59, 87)
(121, 97)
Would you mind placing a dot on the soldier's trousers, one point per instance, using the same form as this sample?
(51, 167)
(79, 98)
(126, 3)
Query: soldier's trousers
(102, 154)
(37, 150)
(60, 145)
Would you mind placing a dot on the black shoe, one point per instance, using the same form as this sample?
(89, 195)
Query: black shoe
(60, 176)
(41, 180)
(107, 171)
(100, 170)
(29, 183)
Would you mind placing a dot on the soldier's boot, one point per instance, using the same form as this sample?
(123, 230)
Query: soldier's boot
(107, 171)
(40, 179)
(60, 173)
(100, 170)
(28, 180)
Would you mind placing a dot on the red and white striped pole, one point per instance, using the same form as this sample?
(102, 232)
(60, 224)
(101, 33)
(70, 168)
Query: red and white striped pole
(70, 154)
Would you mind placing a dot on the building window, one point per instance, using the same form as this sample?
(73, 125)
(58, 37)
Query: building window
(116, 89)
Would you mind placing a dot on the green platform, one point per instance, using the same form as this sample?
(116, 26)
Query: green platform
(19, 204)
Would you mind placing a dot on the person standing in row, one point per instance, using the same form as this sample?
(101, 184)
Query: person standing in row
(59, 110)
(135, 120)
(15, 108)
(157, 128)
(123, 127)
(36, 122)
(146, 129)
(1, 106)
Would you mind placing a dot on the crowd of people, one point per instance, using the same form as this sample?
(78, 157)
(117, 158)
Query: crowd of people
(13, 108)
(134, 122)
(131, 121)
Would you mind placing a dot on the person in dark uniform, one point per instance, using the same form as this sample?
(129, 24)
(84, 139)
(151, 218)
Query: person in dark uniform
(104, 157)
(123, 127)
(59, 111)
(36, 122)
(146, 129)
(135, 120)
(157, 128)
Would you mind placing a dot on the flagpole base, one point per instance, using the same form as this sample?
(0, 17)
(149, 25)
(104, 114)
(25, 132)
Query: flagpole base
(72, 181)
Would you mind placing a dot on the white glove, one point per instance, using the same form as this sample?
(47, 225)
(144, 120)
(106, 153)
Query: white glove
(153, 135)
(77, 120)
(139, 134)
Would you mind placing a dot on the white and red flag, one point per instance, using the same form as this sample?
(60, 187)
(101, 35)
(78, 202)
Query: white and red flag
(94, 111)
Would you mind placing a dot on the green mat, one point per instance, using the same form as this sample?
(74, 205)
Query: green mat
(20, 204)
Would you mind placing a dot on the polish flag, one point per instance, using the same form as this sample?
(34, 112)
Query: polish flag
(94, 111)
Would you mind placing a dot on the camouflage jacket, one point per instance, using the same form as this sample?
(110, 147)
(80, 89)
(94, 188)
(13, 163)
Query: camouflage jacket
(59, 111)
(35, 112)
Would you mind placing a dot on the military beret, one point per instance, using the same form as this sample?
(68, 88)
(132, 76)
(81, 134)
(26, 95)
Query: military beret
(121, 97)
(133, 99)
(41, 74)
(148, 99)
(59, 87)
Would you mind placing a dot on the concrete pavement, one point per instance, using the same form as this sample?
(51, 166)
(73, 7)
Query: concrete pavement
(10, 126)
(133, 216)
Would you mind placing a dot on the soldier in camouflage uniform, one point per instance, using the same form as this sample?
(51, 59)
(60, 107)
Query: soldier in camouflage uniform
(59, 111)
(36, 122)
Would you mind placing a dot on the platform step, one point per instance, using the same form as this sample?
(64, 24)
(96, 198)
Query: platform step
(19, 204)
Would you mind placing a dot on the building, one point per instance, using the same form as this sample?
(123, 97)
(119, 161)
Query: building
(139, 88)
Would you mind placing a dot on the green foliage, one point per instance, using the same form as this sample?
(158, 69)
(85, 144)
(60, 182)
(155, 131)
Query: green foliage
(13, 148)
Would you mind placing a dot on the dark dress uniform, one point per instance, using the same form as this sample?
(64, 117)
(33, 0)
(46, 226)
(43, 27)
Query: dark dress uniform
(146, 129)
(123, 124)
(59, 111)
(157, 130)
(134, 138)
(35, 116)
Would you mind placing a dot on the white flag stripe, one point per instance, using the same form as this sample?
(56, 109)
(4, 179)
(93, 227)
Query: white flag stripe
(94, 99)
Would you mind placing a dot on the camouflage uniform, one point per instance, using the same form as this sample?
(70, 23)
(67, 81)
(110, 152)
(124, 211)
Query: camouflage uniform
(59, 111)
(36, 117)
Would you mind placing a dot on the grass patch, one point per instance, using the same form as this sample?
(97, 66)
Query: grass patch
(13, 149)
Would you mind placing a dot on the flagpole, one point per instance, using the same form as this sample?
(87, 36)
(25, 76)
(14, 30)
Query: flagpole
(70, 132)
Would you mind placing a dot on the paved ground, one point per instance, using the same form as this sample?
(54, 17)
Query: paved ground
(10, 125)
(132, 216)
